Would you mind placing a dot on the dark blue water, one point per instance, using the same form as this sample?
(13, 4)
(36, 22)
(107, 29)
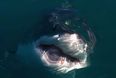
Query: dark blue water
(21, 22)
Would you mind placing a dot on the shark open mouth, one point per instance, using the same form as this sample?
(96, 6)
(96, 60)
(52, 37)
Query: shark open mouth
(62, 53)
(55, 54)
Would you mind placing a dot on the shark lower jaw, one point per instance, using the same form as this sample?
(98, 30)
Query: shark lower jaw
(62, 53)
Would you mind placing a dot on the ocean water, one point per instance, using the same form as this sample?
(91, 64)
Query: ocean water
(21, 23)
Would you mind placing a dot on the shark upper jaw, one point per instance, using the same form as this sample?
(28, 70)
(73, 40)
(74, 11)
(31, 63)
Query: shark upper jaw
(62, 53)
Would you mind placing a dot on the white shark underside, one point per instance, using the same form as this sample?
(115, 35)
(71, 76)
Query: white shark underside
(68, 54)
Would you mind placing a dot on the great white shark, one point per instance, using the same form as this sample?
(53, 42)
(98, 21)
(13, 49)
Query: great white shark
(67, 48)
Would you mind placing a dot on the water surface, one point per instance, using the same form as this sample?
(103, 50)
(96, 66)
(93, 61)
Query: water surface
(20, 23)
